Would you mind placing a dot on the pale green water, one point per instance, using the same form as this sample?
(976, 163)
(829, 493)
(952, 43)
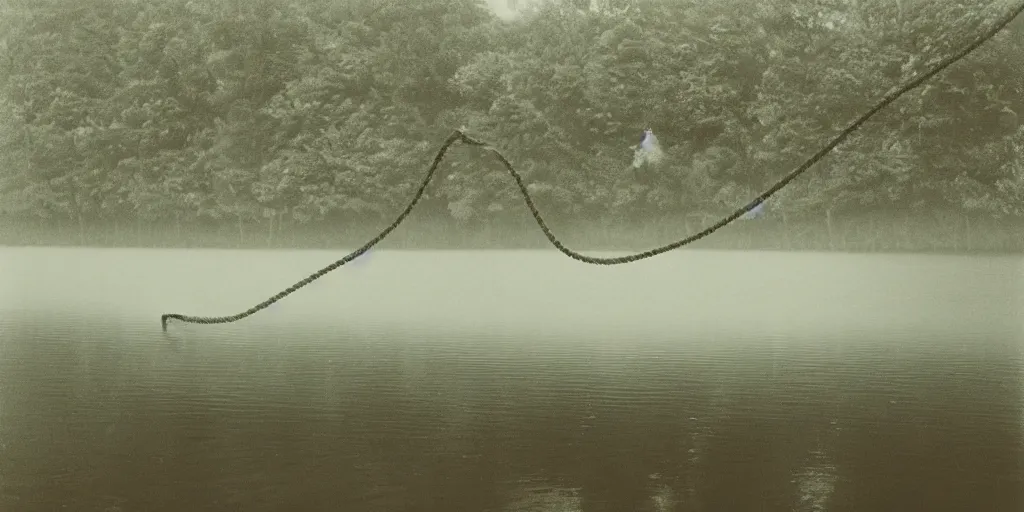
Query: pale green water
(511, 381)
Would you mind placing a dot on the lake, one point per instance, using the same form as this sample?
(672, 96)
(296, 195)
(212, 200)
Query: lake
(511, 381)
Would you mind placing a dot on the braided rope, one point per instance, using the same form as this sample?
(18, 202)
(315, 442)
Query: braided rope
(459, 136)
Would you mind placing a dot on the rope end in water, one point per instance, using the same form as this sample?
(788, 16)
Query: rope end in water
(163, 320)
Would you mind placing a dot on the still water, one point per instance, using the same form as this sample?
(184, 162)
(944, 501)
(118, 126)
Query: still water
(511, 381)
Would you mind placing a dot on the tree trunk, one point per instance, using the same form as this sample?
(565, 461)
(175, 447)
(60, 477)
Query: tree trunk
(241, 231)
(81, 229)
(872, 234)
(828, 228)
(270, 229)
(905, 237)
(967, 233)
(785, 231)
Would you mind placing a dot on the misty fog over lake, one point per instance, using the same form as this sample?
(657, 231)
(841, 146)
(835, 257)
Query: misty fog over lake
(511, 380)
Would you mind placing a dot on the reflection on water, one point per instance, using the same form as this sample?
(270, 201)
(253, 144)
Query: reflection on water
(512, 382)
(816, 482)
(539, 495)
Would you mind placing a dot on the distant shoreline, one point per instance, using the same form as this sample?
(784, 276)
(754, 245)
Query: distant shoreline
(950, 234)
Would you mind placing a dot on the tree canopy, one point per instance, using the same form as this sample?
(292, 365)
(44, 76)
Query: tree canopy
(313, 110)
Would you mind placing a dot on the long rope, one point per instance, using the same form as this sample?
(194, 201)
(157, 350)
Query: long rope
(459, 136)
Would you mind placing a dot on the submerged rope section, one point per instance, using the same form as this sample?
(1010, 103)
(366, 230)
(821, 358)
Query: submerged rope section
(459, 136)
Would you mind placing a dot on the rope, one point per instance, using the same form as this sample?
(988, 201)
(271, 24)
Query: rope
(459, 136)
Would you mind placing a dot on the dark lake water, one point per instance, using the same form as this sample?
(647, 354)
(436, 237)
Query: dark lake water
(511, 381)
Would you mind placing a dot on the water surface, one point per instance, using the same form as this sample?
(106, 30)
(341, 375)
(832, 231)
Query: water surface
(512, 380)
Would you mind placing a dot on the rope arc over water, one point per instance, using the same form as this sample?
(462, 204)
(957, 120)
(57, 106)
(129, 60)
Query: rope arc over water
(459, 136)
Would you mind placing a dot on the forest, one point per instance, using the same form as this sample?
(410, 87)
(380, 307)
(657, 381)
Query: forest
(310, 123)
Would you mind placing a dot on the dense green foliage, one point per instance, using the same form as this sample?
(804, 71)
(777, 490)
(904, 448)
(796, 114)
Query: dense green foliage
(255, 110)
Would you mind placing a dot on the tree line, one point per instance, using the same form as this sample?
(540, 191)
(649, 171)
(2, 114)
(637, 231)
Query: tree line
(309, 111)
